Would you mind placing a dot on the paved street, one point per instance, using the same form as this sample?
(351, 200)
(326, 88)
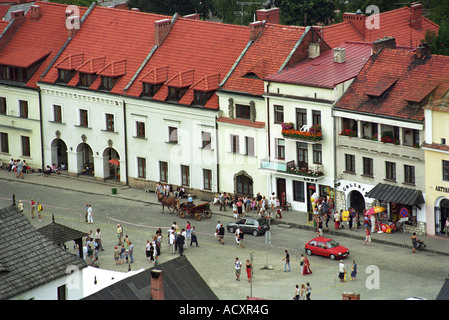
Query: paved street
(385, 271)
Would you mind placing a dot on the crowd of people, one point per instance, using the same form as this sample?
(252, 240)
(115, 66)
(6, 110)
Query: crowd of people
(17, 166)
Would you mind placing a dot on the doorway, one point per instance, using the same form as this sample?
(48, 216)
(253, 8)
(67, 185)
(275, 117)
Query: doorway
(357, 201)
(281, 190)
(311, 189)
(444, 214)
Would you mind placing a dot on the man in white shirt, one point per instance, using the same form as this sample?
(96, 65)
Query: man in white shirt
(238, 268)
(342, 271)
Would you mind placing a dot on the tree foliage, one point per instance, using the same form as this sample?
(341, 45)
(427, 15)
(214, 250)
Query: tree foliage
(170, 7)
(308, 12)
(79, 3)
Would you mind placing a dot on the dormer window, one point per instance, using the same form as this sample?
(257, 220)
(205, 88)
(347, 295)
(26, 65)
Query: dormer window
(107, 83)
(175, 94)
(201, 97)
(86, 79)
(65, 76)
(149, 89)
(12, 73)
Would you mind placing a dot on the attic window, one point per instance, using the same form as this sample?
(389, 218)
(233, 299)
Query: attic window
(149, 89)
(65, 76)
(107, 83)
(251, 75)
(175, 94)
(13, 73)
(381, 89)
(201, 97)
(86, 79)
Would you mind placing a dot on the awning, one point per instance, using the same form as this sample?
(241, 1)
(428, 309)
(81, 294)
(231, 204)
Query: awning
(401, 195)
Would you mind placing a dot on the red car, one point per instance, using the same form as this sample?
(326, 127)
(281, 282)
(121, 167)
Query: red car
(326, 247)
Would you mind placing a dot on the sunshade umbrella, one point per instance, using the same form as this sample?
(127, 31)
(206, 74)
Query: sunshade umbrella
(374, 210)
(114, 162)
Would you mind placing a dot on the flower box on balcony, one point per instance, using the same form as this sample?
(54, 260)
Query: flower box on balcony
(305, 172)
(349, 133)
(312, 134)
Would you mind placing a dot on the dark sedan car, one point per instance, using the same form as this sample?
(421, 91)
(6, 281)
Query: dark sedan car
(255, 226)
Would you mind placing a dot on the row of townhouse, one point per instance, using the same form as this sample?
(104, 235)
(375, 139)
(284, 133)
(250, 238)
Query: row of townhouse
(217, 107)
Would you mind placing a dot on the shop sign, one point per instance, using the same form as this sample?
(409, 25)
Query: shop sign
(442, 189)
(353, 185)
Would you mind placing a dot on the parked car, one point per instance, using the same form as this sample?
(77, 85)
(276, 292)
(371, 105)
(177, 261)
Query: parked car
(255, 226)
(326, 247)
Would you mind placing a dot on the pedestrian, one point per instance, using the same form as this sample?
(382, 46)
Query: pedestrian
(180, 241)
(241, 236)
(301, 263)
(33, 206)
(221, 233)
(119, 233)
(337, 219)
(308, 291)
(98, 237)
(353, 270)
(302, 293)
(116, 256)
(19, 172)
(131, 251)
(297, 293)
(342, 271)
(236, 234)
(20, 206)
(234, 211)
(319, 227)
(122, 254)
(40, 208)
(238, 269)
(373, 223)
(306, 268)
(249, 270)
(193, 237)
(368, 236)
(147, 250)
(188, 230)
(287, 261)
(86, 212)
(90, 214)
(171, 241)
(272, 201)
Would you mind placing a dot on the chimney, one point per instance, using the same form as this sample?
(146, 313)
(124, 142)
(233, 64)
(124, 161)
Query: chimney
(161, 30)
(35, 12)
(339, 55)
(422, 51)
(385, 42)
(416, 16)
(18, 15)
(255, 30)
(157, 285)
(17, 18)
(193, 16)
(269, 15)
(314, 50)
(358, 20)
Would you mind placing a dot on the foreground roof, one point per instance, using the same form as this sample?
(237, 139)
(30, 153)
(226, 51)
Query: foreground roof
(27, 258)
(397, 83)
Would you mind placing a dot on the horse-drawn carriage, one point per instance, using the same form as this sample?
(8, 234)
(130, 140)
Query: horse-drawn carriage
(184, 209)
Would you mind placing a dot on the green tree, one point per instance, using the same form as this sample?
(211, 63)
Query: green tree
(439, 44)
(438, 11)
(228, 11)
(307, 12)
(79, 3)
(170, 7)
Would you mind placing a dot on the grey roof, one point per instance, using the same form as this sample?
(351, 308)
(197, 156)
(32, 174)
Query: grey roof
(401, 195)
(27, 258)
(59, 233)
(181, 282)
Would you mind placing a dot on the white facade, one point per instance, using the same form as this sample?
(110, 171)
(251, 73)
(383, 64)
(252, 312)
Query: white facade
(20, 125)
(177, 145)
(87, 133)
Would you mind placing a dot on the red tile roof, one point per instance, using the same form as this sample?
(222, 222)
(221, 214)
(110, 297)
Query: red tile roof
(394, 23)
(322, 71)
(109, 41)
(197, 53)
(417, 81)
(263, 58)
(37, 39)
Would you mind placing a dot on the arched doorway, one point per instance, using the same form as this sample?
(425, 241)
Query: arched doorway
(111, 162)
(243, 184)
(441, 214)
(356, 201)
(85, 159)
(59, 153)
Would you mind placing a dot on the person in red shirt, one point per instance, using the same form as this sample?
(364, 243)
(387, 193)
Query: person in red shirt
(368, 236)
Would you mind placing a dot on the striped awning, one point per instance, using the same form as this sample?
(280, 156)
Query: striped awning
(401, 195)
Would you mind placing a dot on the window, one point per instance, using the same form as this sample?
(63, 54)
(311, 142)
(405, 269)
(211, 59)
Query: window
(244, 185)
(415, 138)
(23, 109)
(234, 143)
(140, 129)
(206, 140)
(316, 117)
(141, 168)
(65, 75)
(301, 118)
(13, 73)
(173, 134)
(242, 111)
(350, 163)
(150, 90)
(163, 171)
(207, 179)
(201, 97)
(409, 174)
(25, 146)
(278, 114)
(62, 292)
(317, 154)
(175, 94)
(4, 142)
(3, 109)
(445, 170)
(280, 149)
(302, 154)
(185, 175)
(249, 146)
(109, 122)
(83, 118)
(107, 83)
(298, 191)
(86, 79)
(390, 170)
(368, 166)
(57, 113)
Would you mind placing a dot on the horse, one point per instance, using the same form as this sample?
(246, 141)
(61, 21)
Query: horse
(169, 202)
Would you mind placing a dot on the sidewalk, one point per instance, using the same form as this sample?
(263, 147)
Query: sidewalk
(294, 219)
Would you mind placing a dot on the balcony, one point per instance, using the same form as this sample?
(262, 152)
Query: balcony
(290, 167)
(305, 134)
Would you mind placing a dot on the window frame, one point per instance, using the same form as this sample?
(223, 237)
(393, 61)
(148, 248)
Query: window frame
(409, 174)
(242, 111)
(110, 122)
(163, 171)
(185, 175)
(207, 179)
(26, 146)
(390, 171)
(141, 167)
(278, 114)
(23, 109)
(445, 170)
(349, 163)
(83, 118)
(368, 167)
(173, 134)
